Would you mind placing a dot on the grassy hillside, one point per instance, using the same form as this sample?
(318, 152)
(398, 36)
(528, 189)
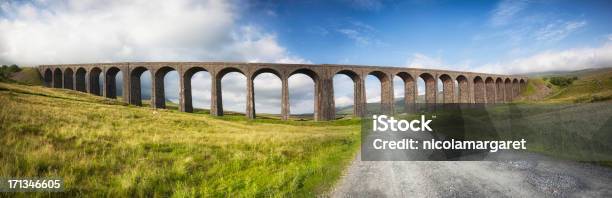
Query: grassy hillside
(536, 89)
(591, 85)
(28, 76)
(105, 148)
(22, 75)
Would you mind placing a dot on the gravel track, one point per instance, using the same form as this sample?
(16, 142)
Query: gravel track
(532, 176)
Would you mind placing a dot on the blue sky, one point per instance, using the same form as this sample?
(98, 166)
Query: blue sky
(456, 33)
(506, 37)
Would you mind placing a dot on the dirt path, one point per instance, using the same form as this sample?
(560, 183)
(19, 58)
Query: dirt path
(536, 176)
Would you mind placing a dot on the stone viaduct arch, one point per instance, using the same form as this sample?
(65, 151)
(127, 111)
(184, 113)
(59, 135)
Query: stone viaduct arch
(185, 102)
(80, 80)
(358, 86)
(463, 86)
(68, 78)
(48, 77)
(134, 85)
(410, 90)
(499, 90)
(217, 109)
(57, 78)
(94, 81)
(508, 90)
(158, 97)
(448, 86)
(386, 90)
(251, 86)
(516, 90)
(431, 87)
(458, 87)
(479, 90)
(110, 87)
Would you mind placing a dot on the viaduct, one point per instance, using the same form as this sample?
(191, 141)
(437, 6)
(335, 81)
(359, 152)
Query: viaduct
(458, 87)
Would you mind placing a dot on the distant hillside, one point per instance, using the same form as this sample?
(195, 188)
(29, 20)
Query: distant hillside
(561, 73)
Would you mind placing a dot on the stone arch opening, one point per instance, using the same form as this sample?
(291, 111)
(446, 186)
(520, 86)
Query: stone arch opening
(267, 91)
(448, 85)
(235, 91)
(57, 78)
(373, 92)
(430, 88)
(198, 79)
(299, 102)
(490, 90)
(160, 96)
(48, 77)
(463, 89)
(523, 85)
(347, 102)
(94, 81)
(409, 92)
(386, 92)
(479, 90)
(508, 90)
(136, 78)
(499, 85)
(80, 79)
(68, 78)
(111, 76)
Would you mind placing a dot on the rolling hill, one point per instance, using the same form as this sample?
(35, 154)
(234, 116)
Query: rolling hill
(102, 147)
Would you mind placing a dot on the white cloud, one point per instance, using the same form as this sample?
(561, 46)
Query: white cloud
(564, 60)
(506, 10)
(356, 36)
(418, 60)
(103, 31)
(256, 46)
(558, 30)
(74, 31)
(343, 90)
(360, 33)
(344, 101)
(559, 60)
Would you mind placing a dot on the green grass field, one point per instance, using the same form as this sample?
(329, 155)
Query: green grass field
(106, 148)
